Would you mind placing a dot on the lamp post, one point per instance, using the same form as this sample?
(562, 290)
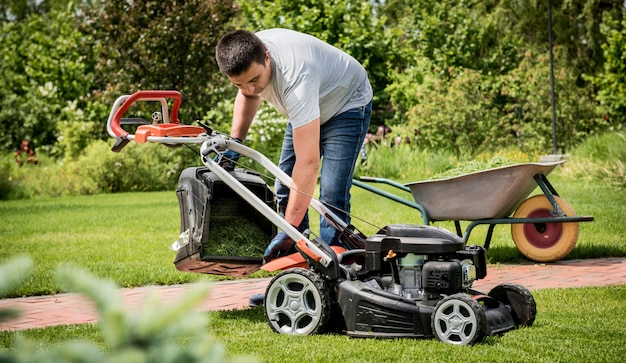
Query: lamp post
(554, 146)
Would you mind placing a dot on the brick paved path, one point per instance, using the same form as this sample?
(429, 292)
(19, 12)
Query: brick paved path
(43, 311)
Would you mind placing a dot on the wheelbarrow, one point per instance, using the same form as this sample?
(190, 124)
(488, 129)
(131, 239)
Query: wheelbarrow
(544, 227)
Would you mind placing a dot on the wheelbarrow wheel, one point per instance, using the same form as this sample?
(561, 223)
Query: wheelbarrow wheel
(297, 302)
(544, 242)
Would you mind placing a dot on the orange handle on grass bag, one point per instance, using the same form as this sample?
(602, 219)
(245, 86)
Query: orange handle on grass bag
(152, 95)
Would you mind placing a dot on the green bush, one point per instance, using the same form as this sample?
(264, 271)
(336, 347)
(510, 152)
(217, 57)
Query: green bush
(469, 111)
(155, 333)
(44, 65)
(145, 167)
(138, 167)
(600, 158)
(528, 112)
(456, 114)
(612, 79)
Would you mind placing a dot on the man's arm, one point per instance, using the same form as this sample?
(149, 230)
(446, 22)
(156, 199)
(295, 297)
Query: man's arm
(306, 143)
(246, 108)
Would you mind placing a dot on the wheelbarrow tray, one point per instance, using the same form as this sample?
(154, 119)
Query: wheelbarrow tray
(486, 194)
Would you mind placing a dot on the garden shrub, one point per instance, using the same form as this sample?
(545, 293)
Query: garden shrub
(612, 79)
(528, 112)
(138, 167)
(455, 114)
(154, 333)
(600, 158)
(44, 66)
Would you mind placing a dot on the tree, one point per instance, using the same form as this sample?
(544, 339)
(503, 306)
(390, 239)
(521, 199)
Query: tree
(357, 27)
(612, 79)
(492, 55)
(160, 45)
(44, 66)
(19, 10)
(575, 27)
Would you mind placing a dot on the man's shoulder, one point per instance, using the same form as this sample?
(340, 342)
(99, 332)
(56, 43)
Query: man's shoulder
(275, 32)
(282, 35)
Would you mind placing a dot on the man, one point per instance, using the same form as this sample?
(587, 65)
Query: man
(327, 98)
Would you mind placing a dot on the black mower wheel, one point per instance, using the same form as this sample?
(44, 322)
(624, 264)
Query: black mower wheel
(460, 320)
(521, 301)
(297, 302)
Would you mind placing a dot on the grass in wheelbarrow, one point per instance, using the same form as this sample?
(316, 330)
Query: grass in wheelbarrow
(236, 237)
(473, 166)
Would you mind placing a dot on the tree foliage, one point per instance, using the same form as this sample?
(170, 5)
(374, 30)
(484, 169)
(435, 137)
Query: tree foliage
(357, 27)
(612, 79)
(44, 65)
(502, 46)
(154, 333)
(466, 75)
(575, 27)
(19, 10)
(160, 45)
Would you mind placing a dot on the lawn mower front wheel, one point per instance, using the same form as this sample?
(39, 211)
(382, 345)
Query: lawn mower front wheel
(519, 299)
(460, 320)
(297, 302)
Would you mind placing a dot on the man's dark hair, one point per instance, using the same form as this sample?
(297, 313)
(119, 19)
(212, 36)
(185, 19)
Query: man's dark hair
(236, 51)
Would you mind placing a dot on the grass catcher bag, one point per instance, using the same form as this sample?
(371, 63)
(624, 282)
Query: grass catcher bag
(221, 233)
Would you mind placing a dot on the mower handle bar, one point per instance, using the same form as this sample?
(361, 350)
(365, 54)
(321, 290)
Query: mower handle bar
(217, 143)
(123, 103)
(220, 142)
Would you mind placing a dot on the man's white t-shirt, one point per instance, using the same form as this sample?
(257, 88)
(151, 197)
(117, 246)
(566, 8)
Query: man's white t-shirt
(312, 79)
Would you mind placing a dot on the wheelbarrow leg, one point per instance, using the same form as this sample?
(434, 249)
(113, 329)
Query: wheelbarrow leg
(492, 224)
(457, 225)
(489, 236)
(549, 192)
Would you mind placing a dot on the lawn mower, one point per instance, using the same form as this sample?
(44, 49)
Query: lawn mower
(405, 281)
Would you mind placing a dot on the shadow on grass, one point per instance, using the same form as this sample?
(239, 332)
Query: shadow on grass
(597, 251)
(253, 315)
(504, 254)
(510, 254)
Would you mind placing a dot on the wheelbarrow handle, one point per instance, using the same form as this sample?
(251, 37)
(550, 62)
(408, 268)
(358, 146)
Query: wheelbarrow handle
(359, 183)
(393, 183)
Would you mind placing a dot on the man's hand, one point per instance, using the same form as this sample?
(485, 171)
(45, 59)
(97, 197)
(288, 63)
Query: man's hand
(280, 245)
(228, 159)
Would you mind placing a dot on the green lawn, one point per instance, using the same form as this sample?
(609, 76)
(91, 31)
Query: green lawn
(572, 325)
(126, 237)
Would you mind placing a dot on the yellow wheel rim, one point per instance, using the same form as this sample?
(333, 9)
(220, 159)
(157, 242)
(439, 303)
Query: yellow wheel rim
(544, 242)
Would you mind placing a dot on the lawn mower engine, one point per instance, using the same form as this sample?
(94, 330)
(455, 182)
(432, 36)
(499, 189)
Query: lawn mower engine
(421, 262)
(416, 282)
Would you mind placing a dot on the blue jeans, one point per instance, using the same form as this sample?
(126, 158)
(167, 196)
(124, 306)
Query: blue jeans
(341, 139)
